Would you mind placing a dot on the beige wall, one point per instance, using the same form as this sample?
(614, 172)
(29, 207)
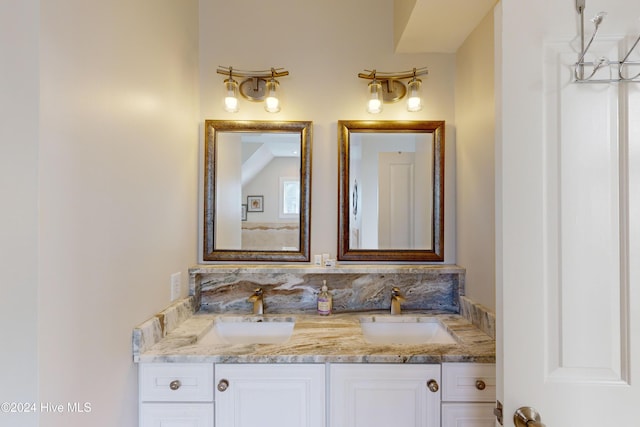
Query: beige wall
(324, 45)
(99, 194)
(19, 35)
(475, 124)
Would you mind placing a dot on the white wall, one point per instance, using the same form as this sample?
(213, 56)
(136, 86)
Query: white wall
(324, 45)
(475, 140)
(18, 207)
(117, 166)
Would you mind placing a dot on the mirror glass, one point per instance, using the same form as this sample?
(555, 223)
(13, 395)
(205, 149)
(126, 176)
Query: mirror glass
(257, 198)
(391, 185)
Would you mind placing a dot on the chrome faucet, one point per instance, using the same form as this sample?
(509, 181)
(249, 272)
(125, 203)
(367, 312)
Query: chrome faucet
(396, 299)
(256, 299)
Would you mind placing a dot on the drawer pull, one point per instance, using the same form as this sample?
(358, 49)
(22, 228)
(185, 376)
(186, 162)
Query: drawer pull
(223, 385)
(433, 386)
(480, 385)
(174, 385)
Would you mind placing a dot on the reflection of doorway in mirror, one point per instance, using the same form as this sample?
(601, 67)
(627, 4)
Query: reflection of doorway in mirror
(396, 205)
(401, 215)
(355, 238)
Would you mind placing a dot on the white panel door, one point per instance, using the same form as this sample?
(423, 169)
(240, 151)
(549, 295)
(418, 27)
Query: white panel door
(371, 395)
(396, 205)
(568, 218)
(266, 395)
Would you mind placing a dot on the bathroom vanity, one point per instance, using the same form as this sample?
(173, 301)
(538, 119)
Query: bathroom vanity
(206, 360)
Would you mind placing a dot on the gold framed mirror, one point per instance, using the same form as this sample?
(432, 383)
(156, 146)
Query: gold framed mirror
(391, 191)
(257, 190)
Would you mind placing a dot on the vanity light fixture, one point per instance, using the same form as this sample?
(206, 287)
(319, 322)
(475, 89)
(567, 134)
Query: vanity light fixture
(388, 87)
(256, 86)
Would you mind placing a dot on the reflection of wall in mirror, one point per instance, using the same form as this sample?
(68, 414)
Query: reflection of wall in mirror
(228, 194)
(267, 184)
(267, 230)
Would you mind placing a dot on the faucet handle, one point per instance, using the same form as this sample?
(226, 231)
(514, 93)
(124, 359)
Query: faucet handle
(396, 299)
(397, 295)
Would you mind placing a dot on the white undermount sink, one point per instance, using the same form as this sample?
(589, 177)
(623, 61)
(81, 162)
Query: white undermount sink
(404, 329)
(249, 330)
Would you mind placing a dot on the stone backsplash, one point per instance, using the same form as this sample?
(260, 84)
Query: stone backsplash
(224, 288)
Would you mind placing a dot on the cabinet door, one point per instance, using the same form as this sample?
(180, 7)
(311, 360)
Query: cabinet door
(176, 415)
(365, 395)
(265, 395)
(468, 415)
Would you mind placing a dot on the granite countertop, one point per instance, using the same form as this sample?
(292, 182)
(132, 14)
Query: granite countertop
(336, 338)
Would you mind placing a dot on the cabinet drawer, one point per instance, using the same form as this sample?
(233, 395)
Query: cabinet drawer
(468, 415)
(177, 382)
(468, 382)
(176, 414)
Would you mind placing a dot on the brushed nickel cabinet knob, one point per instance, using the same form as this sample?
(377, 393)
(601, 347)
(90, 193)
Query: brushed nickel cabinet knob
(223, 385)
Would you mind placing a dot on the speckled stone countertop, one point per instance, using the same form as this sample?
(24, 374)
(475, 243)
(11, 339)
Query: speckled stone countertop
(336, 338)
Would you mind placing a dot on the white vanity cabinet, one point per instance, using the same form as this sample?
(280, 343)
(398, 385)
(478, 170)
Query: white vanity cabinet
(270, 395)
(293, 395)
(383, 395)
(176, 394)
(468, 394)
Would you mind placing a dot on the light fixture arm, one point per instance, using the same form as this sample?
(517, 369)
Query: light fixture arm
(396, 75)
(261, 74)
(601, 62)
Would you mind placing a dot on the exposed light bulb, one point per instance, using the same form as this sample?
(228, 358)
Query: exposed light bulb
(374, 105)
(231, 104)
(414, 102)
(272, 103)
(231, 98)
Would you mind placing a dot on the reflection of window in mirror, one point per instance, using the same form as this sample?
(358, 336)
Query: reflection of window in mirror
(289, 197)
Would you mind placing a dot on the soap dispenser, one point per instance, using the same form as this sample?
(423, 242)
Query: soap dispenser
(325, 301)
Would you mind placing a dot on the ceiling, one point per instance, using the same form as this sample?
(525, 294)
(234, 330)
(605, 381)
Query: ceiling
(258, 149)
(438, 26)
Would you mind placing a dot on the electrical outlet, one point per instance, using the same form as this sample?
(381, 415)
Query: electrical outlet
(176, 285)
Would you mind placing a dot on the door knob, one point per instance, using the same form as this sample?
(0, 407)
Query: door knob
(527, 417)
